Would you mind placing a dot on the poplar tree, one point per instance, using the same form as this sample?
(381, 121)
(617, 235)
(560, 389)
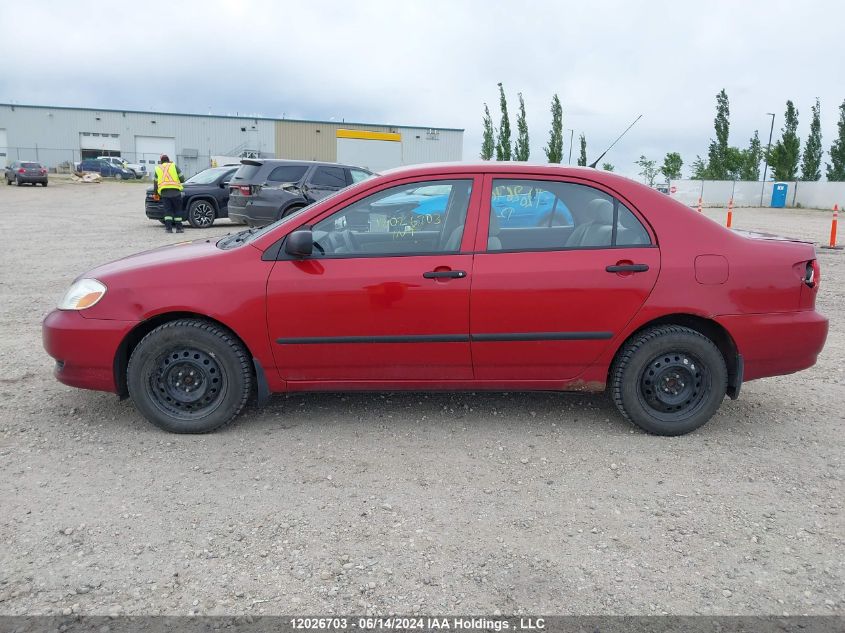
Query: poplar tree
(488, 142)
(582, 159)
(785, 154)
(811, 165)
(836, 168)
(521, 148)
(554, 150)
(503, 143)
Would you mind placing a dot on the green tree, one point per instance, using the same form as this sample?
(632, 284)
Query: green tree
(503, 143)
(836, 168)
(717, 154)
(751, 157)
(648, 170)
(672, 164)
(811, 165)
(787, 151)
(699, 169)
(521, 148)
(607, 166)
(554, 150)
(582, 159)
(488, 142)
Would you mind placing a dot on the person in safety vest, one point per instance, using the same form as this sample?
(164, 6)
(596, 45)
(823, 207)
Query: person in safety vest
(168, 185)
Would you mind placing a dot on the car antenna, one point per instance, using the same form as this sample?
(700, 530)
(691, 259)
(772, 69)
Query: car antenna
(596, 162)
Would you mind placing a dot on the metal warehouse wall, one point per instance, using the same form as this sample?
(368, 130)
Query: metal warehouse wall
(51, 135)
(312, 140)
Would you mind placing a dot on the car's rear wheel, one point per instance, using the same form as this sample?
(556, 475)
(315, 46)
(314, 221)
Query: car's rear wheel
(668, 380)
(189, 376)
(201, 214)
(43, 184)
(18, 181)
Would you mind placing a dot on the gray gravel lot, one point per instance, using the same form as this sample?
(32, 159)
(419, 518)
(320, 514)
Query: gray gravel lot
(379, 503)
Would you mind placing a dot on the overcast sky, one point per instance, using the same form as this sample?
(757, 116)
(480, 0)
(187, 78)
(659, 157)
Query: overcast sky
(434, 63)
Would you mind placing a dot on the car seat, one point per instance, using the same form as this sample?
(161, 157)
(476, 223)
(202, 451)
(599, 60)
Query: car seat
(597, 230)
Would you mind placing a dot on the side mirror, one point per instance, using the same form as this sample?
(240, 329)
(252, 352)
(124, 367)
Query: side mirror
(300, 243)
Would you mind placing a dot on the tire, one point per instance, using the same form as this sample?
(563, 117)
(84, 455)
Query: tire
(43, 184)
(668, 380)
(8, 182)
(201, 214)
(208, 355)
(118, 176)
(18, 181)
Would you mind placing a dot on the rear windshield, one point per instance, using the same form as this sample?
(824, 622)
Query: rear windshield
(288, 173)
(31, 165)
(207, 176)
(246, 172)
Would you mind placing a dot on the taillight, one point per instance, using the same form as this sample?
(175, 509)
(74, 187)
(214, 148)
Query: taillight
(43, 172)
(22, 170)
(245, 190)
(813, 274)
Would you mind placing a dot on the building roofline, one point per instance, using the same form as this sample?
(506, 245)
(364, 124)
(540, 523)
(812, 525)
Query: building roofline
(235, 117)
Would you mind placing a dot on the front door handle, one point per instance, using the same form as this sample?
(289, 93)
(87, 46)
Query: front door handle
(445, 274)
(627, 268)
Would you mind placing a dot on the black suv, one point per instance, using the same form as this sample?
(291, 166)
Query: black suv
(205, 197)
(266, 190)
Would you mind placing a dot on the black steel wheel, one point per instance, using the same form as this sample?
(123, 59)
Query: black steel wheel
(189, 376)
(668, 380)
(201, 214)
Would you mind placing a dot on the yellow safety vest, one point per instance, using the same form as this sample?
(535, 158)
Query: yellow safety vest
(167, 177)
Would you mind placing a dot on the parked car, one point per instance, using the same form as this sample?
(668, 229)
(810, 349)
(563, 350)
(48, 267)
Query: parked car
(665, 308)
(136, 168)
(22, 171)
(204, 198)
(265, 190)
(105, 168)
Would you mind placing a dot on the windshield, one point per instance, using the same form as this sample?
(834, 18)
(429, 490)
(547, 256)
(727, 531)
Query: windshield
(207, 176)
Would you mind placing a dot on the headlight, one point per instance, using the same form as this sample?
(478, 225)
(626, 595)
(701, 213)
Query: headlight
(83, 294)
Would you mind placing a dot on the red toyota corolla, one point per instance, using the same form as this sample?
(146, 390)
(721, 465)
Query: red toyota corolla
(450, 277)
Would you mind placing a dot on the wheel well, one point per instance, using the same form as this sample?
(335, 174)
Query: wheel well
(131, 340)
(712, 330)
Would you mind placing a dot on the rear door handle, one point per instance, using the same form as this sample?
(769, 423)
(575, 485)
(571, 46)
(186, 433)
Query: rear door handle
(627, 268)
(445, 274)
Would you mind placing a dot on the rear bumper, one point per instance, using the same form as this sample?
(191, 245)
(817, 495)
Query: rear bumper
(29, 179)
(777, 343)
(253, 213)
(84, 349)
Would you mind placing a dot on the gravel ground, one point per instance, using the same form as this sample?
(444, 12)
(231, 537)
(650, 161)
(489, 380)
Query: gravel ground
(379, 503)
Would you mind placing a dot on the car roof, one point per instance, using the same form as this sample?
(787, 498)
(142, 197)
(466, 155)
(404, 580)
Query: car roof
(304, 163)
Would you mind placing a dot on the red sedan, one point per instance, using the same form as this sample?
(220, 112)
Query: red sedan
(371, 289)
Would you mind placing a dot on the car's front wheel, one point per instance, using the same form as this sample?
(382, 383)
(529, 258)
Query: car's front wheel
(201, 214)
(189, 376)
(668, 380)
(118, 176)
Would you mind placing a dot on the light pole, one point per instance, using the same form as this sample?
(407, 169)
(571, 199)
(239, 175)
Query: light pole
(766, 157)
(571, 136)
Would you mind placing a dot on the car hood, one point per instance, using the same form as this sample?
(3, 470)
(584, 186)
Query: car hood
(180, 253)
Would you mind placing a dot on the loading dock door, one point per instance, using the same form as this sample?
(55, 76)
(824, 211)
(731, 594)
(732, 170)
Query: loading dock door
(149, 148)
(375, 151)
(93, 144)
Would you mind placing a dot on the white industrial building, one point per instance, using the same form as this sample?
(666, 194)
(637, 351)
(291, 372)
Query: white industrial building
(59, 137)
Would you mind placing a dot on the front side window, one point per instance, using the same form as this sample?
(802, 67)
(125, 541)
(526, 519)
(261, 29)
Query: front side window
(549, 215)
(329, 177)
(416, 218)
(359, 176)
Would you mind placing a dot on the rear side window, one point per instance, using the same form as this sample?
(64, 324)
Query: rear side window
(329, 177)
(246, 172)
(288, 173)
(549, 215)
(358, 175)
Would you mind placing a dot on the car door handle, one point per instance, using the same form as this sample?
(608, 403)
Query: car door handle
(445, 274)
(627, 268)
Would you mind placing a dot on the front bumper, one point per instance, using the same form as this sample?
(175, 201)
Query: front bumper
(777, 343)
(84, 349)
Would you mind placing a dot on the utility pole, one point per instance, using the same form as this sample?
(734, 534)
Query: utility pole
(766, 157)
(571, 135)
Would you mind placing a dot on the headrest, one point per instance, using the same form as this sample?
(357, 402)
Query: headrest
(495, 225)
(600, 211)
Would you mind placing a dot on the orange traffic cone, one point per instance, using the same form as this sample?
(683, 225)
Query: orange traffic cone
(833, 224)
(730, 212)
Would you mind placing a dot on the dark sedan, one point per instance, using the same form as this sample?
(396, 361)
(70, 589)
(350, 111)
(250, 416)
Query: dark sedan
(20, 172)
(205, 197)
